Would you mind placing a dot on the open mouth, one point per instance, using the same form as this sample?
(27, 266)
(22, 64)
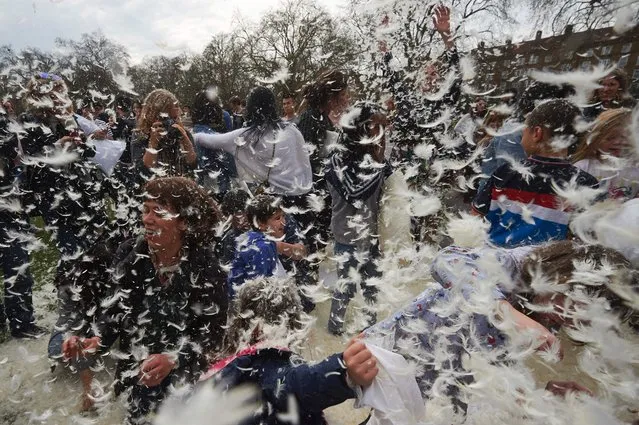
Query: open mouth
(151, 232)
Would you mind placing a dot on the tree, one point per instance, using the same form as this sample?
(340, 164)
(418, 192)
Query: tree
(291, 45)
(581, 14)
(93, 62)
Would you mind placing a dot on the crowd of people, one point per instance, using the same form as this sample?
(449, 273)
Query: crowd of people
(198, 250)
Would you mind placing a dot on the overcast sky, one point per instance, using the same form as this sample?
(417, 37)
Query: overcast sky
(145, 27)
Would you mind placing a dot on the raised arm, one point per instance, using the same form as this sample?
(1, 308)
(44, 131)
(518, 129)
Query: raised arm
(223, 141)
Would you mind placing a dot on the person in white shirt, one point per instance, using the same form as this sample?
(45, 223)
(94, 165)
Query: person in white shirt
(267, 151)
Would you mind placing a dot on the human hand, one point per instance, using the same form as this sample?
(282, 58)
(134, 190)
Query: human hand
(561, 388)
(155, 368)
(549, 344)
(156, 133)
(441, 19)
(75, 346)
(361, 365)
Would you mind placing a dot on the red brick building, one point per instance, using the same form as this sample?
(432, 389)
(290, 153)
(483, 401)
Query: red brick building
(508, 65)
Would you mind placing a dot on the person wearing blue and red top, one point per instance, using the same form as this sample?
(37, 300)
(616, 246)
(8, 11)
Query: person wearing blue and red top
(520, 200)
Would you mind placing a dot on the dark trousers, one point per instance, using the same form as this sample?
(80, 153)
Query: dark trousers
(342, 297)
(18, 283)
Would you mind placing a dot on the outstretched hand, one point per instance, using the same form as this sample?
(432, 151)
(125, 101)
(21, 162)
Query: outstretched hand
(74, 346)
(361, 365)
(441, 19)
(155, 368)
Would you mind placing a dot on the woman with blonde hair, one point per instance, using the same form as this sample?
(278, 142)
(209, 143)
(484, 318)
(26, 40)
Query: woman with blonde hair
(605, 152)
(164, 146)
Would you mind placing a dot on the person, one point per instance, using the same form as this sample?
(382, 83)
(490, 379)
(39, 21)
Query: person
(288, 107)
(269, 154)
(605, 152)
(9, 110)
(69, 196)
(216, 167)
(258, 251)
(507, 142)
(80, 294)
(355, 176)
(327, 95)
(260, 346)
(234, 209)
(169, 303)
(492, 122)
(469, 122)
(17, 306)
(612, 94)
(163, 146)
(187, 122)
(520, 201)
(236, 112)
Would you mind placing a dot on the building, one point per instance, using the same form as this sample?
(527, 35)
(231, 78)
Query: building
(507, 66)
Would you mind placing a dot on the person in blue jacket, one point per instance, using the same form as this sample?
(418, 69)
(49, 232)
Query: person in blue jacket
(259, 345)
(257, 251)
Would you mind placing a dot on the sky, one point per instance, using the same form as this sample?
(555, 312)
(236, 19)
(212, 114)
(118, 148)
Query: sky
(145, 27)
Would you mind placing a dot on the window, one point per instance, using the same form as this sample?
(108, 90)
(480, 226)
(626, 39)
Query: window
(588, 53)
(623, 61)
(586, 65)
(637, 62)
(605, 50)
(635, 75)
(626, 48)
(605, 62)
(533, 59)
(568, 55)
(566, 67)
(548, 58)
(521, 60)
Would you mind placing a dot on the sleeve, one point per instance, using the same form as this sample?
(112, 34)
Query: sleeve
(317, 386)
(481, 203)
(209, 305)
(223, 141)
(228, 121)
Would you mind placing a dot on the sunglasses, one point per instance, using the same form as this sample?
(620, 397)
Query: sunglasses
(47, 76)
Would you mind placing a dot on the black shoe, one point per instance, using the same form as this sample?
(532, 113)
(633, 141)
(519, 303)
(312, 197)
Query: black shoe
(31, 331)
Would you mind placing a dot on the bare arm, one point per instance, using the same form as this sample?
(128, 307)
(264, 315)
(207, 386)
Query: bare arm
(223, 141)
(295, 251)
(523, 322)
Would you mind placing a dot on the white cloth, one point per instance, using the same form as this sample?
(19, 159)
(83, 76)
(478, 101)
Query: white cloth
(107, 153)
(619, 230)
(394, 394)
(621, 183)
(394, 218)
(290, 165)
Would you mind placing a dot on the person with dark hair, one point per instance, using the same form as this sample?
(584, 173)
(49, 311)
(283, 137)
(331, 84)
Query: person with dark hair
(16, 307)
(258, 251)
(612, 94)
(507, 144)
(234, 207)
(523, 206)
(216, 167)
(236, 112)
(269, 154)
(168, 304)
(470, 121)
(288, 107)
(264, 332)
(355, 175)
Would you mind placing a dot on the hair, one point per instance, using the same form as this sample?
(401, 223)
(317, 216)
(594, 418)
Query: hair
(557, 260)
(288, 95)
(537, 92)
(356, 127)
(235, 101)
(261, 108)
(157, 103)
(262, 305)
(328, 85)
(261, 208)
(39, 92)
(492, 117)
(199, 212)
(557, 118)
(235, 201)
(607, 122)
(208, 111)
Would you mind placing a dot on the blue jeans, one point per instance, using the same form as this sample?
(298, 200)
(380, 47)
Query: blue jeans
(18, 305)
(342, 296)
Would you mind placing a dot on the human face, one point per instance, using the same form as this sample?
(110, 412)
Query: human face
(274, 226)
(288, 106)
(175, 112)
(480, 106)
(615, 143)
(163, 228)
(610, 89)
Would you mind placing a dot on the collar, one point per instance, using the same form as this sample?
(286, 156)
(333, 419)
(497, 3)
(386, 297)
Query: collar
(549, 160)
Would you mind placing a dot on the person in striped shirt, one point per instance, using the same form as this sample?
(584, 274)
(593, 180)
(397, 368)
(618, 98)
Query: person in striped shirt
(520, 199)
